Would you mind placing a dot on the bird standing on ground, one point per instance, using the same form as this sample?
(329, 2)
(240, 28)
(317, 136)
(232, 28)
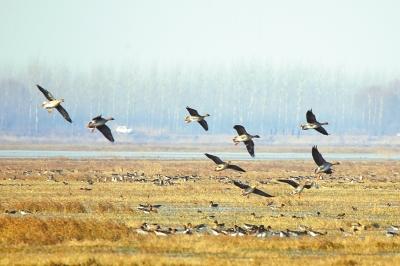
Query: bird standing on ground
(323, 166)
(99, 123)
(53, 103)
(312, 123)
(245, 137)
(213, 204)
(221, 165)
(247, 190)
(195, 117)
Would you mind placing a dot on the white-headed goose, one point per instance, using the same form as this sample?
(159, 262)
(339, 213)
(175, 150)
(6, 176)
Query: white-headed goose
(100, 123)
(312, 123)
(323, 166)
(221, 165)
(245, 137)
(247, 190)
(196, 117)
(53, 103)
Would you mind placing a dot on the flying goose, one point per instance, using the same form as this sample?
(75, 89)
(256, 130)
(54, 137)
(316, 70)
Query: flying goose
(100, 123)
(245, 137)
(195, 117)
(323, 166)
(247, 190)
(53, 103)
(312, 123)
(298, 186)
(221, 165)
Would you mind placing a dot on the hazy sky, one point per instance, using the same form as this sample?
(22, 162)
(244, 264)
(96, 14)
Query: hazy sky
(79, 33)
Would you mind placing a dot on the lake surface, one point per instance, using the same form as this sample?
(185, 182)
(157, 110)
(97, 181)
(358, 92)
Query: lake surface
(32, 154)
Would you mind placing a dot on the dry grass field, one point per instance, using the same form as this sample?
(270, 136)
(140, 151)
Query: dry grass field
(84, 212)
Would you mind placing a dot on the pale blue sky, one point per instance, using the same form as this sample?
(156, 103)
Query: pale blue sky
(355, 34)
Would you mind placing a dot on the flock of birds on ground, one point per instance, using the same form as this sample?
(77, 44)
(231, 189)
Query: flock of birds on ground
(323, 167)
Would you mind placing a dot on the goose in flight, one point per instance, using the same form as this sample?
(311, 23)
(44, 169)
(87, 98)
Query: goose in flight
(99, 123)
(312, 123)
(298, 186)
(195, 117)
(245, 137)
(323, 166)
(221, 165)
(247, 190)
(52, 103)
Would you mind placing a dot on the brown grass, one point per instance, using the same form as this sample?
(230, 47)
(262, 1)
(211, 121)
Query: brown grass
(69, 226)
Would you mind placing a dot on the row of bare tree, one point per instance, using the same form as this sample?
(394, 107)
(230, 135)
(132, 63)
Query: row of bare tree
(265, 98)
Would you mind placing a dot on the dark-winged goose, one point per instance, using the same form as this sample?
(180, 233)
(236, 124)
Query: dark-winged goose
(247, 190)
(323, 166)
(221, 165)
(53, 103)
(196, 117)
(312, 123)
(99, 123)
(245, 137)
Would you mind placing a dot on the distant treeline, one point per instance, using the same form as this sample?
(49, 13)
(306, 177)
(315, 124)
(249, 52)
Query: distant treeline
(267, 99)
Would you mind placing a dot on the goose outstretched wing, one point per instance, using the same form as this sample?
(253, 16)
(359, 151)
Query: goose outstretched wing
(106, 131)
(214, 158)
(64, 113)
(240, 130)
(192, 111)
(204, 124)
(236, 168)
(46, 93)
(310, 117)
(322, 130)
(250, 147)
(318, 159)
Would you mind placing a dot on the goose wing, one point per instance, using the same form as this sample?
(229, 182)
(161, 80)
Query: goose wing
(46, 93)
(250, 147)
(262, 193)
(236, 168)
(240, 130)
(290, 182)
(96, 118)
(106, 131)
(321, 130)
(240, 184)
(64, 113)
(215, 159)
(204, 124)
(192, 111)
(310, 116)
(318, 159)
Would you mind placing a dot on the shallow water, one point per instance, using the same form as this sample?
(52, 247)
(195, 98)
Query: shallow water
(31, 154)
